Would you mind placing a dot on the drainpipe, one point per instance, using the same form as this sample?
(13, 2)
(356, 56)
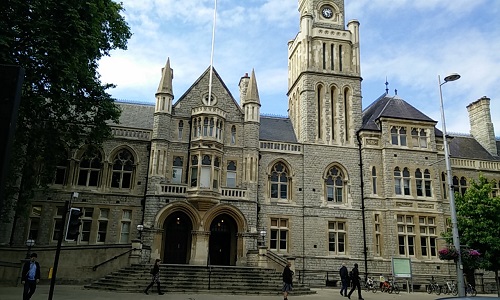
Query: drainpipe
(190, 123)
(146, 186)
(303, 218)
(362, 186)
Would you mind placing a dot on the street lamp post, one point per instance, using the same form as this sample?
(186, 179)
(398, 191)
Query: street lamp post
(449, 177)
(140, 229)
(263, 236)
(29, 243)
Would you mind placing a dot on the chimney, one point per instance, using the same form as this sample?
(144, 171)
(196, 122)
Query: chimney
(481, 126)
(243, 88)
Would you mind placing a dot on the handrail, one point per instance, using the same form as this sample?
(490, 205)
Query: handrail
(113, 258)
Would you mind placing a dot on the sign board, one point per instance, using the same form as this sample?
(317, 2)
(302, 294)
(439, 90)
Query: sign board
(401, 267)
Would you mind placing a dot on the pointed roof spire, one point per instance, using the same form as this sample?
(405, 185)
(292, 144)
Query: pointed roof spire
(167, 74)
(252, 91)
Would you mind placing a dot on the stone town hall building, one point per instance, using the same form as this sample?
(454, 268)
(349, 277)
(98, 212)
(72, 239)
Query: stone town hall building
(330, 183)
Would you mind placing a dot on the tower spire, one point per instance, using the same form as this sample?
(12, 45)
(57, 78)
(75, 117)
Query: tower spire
(252, 91)
(167, 74)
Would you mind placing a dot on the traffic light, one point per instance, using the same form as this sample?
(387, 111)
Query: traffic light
(74, 223)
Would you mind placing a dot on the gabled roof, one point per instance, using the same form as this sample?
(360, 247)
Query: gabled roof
(276, 129)
(207, 72)
(468, 147)
(391, 107)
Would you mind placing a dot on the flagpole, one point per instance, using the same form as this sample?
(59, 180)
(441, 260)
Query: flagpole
(212, 57)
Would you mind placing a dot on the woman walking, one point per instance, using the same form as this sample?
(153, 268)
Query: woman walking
(155, 277)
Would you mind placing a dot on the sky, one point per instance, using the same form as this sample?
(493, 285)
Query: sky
(409, 42)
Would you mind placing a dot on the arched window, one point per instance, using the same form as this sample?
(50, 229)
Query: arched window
(123, 169)
(231, 174)
(374, 180)
(279, 181)
(205, 126)
(212, 124)
(459, 185)
(89, 169)
(443, 184)
(233, 135)
(402, 183)
(181, 127)
(423, 183)
(334, 183)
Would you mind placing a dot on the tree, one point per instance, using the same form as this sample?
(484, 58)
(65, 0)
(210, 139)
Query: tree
(63, 103)
(478, 216)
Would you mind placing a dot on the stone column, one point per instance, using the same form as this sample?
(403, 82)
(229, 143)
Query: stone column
(199, 247)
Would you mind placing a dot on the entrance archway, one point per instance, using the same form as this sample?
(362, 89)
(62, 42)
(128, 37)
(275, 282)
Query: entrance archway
(177, 242)
(222, 244)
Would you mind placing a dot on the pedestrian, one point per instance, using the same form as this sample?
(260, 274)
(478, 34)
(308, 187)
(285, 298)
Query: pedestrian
(30, 276)
(287, 280)
(155, 277)
(344, 277)
(355, 282)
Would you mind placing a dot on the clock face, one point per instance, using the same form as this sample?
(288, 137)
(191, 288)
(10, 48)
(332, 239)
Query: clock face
(327, 12)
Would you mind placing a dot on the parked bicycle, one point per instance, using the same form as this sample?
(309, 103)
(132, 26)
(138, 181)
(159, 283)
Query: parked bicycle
(370, 285)
(470, 290)
(390, 287)
(433, 287)
(449, 288)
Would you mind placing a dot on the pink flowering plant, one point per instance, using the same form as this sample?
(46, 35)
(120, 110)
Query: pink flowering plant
(470, 257)
(448, 253)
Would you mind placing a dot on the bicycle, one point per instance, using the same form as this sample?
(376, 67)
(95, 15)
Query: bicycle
(390, 287)
(470, 290)
(369, 285)
(449, 288)
(433, 287)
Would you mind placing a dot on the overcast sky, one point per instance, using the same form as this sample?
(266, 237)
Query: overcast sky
(409, 42)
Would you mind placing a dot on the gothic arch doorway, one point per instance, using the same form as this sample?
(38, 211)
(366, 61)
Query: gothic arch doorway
(177, 241)
(222, 244)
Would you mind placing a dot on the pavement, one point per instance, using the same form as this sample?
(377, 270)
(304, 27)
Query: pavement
(76, 292)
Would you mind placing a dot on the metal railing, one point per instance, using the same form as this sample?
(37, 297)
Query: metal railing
(111, 259)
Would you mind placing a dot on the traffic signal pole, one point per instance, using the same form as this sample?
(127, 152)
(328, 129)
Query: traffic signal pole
(58, 250)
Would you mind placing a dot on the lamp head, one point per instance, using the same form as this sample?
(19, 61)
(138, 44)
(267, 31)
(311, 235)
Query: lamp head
(140, 227)
(452, 77)
(263, 233)
(30, 243)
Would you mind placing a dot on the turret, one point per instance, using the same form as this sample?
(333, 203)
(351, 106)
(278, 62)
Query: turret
(164, 95)
(251, 103)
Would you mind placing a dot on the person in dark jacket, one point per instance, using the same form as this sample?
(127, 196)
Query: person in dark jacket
(155, 277)
(344, 277)
(30, 276)
(355, 282)
(287, 281)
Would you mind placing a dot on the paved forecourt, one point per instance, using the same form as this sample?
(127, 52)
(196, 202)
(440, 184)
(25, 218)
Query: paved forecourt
(73, 292)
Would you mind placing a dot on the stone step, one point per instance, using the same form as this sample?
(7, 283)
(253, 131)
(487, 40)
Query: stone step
(186, 278)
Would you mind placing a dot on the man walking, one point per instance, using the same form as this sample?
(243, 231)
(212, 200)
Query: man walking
(30, 276)
(355, 282)
(287, 280)
(344, 277)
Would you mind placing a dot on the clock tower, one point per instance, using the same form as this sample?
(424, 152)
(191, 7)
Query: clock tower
(324, 78)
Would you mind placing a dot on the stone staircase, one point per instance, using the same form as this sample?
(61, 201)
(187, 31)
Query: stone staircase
(198, 279)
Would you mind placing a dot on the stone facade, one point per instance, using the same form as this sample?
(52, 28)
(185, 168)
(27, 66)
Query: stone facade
(211, 180)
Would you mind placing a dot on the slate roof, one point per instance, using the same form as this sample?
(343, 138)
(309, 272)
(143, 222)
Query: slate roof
(276, 129)
(468, 147)
(136, 115)
(390, 107)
